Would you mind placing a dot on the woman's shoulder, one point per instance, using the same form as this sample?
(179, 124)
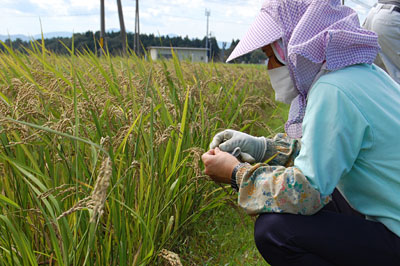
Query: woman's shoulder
(353, 73)
(358, 79)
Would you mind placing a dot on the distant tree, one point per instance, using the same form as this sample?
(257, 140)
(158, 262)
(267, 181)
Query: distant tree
(18, 44)
(228, 52)
(89, 41)
(257, 57)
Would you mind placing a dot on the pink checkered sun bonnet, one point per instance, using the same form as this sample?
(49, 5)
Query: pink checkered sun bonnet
(312, 32)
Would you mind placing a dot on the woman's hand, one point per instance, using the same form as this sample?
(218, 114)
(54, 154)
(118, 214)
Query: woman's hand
(253, 149)
(219, 165)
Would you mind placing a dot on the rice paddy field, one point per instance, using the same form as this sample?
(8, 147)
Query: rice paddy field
(100, 156)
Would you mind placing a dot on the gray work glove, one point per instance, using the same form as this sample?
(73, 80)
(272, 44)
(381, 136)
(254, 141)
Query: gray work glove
(252, 149)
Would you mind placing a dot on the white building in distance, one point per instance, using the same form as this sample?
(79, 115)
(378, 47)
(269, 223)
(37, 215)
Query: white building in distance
(183, 53)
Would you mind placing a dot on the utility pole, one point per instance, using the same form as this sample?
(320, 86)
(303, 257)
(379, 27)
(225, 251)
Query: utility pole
(208, 12)
(343, 2)
(122, 26)
(102, 25)
(136, 41)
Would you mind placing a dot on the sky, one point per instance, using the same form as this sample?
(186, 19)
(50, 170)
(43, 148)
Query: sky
(228, 19)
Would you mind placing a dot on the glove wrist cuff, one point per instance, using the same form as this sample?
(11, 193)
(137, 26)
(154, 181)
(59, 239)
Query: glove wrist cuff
(262, 149)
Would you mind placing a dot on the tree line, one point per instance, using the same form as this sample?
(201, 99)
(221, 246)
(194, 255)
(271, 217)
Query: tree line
(90, 41)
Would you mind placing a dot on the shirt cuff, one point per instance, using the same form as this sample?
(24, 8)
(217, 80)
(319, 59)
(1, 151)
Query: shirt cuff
(238, 173)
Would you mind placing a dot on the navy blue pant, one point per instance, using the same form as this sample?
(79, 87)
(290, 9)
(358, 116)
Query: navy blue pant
(336, 235)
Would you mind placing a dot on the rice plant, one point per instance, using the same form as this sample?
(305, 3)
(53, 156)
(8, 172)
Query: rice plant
(100, 156)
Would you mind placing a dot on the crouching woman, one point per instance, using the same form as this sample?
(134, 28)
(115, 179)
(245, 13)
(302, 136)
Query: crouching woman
(330, 191)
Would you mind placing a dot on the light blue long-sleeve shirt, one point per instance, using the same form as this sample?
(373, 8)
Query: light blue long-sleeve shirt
(351, 139)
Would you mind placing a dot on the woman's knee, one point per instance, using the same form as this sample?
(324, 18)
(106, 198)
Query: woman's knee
(271, 228)
(271, 233)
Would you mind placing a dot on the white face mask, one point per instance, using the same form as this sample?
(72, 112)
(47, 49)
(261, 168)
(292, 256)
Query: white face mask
(282, 84)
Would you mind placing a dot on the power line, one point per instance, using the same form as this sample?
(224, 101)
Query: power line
(162, 15)
(213, 20)
(52, 16)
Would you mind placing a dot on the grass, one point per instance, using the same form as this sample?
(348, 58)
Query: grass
(100, 156)
(223, 237)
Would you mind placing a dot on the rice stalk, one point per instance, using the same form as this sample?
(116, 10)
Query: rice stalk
(150, 121)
